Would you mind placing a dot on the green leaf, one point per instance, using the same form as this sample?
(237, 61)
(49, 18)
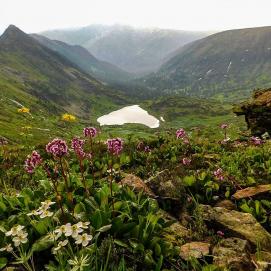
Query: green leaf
(189, 180)
(79, 208)
(105, 228)
(42, 244)
(120, 243)
(3, 262)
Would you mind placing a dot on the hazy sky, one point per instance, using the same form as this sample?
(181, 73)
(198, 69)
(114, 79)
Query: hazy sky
(38, 15)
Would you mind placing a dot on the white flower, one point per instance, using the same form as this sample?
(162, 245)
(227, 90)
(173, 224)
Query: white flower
(47, 203)
(34, 212)
(83, 239)
(60, 245)
(79, 263)
(21, 238)
(83, 225)
(14, 230)
(63, 229)
(46, 213)
(73, 231)
(7, 248)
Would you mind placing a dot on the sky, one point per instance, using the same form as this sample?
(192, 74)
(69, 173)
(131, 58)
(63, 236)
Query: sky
(202, 15)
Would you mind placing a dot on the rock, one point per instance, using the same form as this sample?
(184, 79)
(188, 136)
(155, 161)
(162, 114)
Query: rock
(242, 225)
(137, 184)
(194, 249)
(228, 204)
(257, 112)
(163, 184)
(252, 191)
(232, 254)
(177, 234)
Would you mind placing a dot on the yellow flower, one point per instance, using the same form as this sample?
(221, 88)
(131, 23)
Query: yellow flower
(24, 110)
(68, 117)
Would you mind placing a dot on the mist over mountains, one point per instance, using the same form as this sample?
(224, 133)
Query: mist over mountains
(135, 50)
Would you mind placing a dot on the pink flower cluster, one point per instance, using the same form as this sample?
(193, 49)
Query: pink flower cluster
(256, 140)
(147, 149)
(181, 134)
(90, 132)
(220, 233)
(219, 174)
(186, 161)
(224, 126)
(32, 161)
(57, 147)
(115, 145)
(77, 145)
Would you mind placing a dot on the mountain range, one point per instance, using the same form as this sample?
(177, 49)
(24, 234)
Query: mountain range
(135, 50)
(42, 79)
(227, 63)
(78, 55)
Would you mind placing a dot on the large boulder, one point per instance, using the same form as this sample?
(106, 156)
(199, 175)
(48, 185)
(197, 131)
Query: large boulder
(233, 254)
(242, 225)
(257, 112)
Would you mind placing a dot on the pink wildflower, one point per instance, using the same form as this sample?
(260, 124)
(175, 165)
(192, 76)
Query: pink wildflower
(224, 126)
(57, 147)
(219, 174)
(186, 161)
(220, 233)
(32, 161)
(256, 140)
(90, 132)
(115, 145)
(147, 149)
(180, 133)
(77, 145)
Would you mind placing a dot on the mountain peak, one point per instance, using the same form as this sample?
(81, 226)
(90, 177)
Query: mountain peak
(13, 37)
(11, 31)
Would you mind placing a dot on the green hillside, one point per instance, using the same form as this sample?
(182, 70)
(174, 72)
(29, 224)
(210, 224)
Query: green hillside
(35, 77)
(82, 58)
(231, 63)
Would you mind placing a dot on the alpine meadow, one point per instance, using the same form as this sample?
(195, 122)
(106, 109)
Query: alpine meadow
(135, 136)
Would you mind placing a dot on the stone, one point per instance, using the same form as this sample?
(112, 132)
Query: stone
(242, 225)
(176, 234)
(137, 184)
(228, 204)
(194, 250)
(164, 185)
(232, 254)
(252, 191)
(257, 112)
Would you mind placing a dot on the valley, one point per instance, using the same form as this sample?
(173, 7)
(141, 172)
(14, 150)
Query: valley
(125, 149)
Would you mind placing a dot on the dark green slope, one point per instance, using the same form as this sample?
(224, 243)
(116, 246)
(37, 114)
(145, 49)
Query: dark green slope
(230, 61)
(36, 77)
(86, 61)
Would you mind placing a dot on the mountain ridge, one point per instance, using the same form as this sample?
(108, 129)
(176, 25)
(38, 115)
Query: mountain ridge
(223, 62)
(136, 50)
